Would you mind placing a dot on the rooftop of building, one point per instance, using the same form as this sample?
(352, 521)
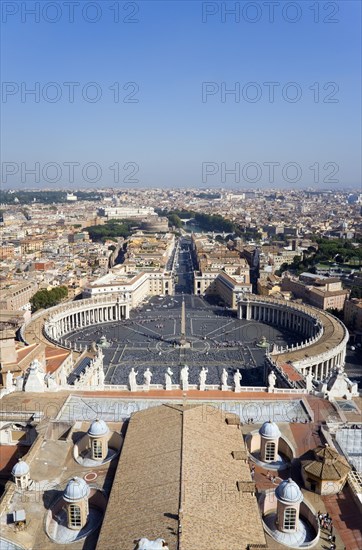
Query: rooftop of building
(188, 461)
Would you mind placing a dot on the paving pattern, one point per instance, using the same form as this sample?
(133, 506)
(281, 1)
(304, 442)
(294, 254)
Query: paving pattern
(217, 340)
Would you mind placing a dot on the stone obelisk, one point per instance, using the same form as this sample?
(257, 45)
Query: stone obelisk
(183, 342)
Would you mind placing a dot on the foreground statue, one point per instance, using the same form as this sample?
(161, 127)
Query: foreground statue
(184, 378)
(132, 380)
(9, 380)
(168, 379)
(147, 375)
(237, 380)
(309, 380)
(224, 380)
(271, 381)
(202, 378)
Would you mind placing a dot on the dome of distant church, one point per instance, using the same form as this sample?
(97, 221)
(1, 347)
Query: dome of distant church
(270, 430)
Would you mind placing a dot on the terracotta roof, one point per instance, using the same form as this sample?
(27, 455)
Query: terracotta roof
(54, 358)
(292, 373)
(327, 464)
(23, 352)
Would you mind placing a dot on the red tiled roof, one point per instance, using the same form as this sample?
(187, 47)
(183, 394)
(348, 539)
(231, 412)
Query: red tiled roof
(291, 372)
(54, 358)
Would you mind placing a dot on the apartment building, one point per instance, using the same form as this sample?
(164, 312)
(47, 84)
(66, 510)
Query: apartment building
(353, 315)
(16, 296)
(137, 286)
(126, 212)
(220, 271)
(321, 292)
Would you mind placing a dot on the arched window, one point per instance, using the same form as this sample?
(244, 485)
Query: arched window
(97, 448)
(290, 518)
(270, 451)
(75, 516)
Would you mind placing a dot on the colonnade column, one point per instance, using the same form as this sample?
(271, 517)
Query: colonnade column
(248, 311)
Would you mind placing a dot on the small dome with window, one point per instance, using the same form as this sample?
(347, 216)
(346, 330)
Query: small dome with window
(20, 469)
(76, 489)
(288, 492)
(270, 430)
(98, 428)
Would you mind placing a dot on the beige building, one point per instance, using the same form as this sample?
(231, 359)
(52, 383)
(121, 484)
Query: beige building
(135, 286)
(321, 292)
(126, 212)
(353, 315)
(149, 251)
(221, 271)
(31, 245)
(15, 296)
(7, 252)
(269, 285)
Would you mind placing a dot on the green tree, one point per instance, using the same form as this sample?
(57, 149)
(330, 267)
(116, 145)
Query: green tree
(43, 299)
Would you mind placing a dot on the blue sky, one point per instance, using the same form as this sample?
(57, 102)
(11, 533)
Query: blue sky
(173, 135)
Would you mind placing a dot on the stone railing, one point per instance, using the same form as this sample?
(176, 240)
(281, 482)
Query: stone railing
(191, 387)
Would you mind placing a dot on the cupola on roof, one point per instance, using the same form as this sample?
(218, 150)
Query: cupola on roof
(97, 428)
(288, 492)
(270, 430)
(20, 469)
(76, 489)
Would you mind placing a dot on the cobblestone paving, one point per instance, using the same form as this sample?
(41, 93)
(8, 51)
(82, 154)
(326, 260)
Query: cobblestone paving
(217, 340)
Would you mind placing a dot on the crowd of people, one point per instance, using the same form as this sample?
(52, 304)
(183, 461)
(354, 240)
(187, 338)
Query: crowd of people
(326, 523)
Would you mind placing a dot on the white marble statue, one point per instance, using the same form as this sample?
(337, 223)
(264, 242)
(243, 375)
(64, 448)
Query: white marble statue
(271, 381)
(224, 380)
(34, 381)
(35, 366)
(147, 375)
(184, 377)
(309, 380)
(101, 376)
(146, 544)
(132, 378)
(339, 386)
(237, 380)
(9, 380)
(168, 378)
(202, 378)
